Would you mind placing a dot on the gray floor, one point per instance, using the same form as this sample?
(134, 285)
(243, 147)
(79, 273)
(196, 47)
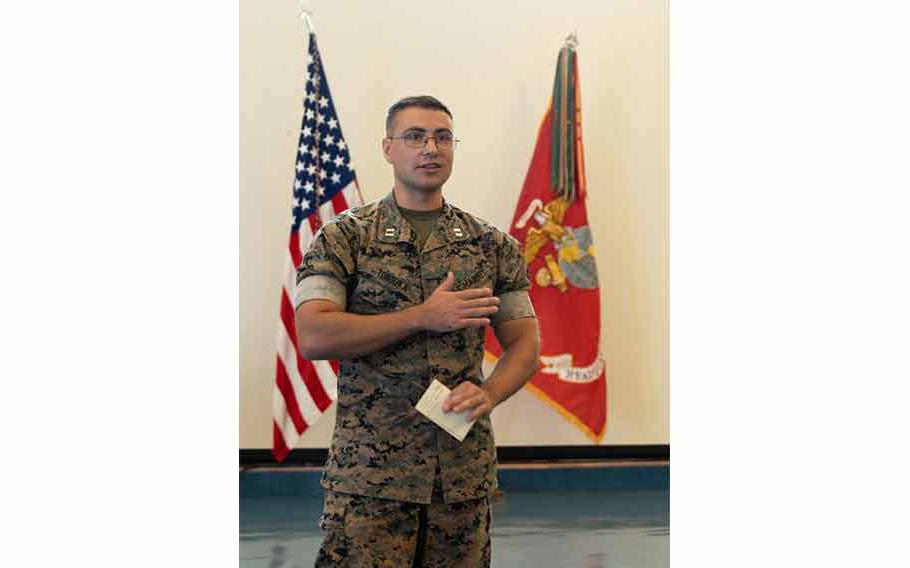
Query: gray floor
(586, 529)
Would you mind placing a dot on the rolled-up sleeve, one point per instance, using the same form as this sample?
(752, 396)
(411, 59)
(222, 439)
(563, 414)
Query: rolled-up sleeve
(326, 268)
(512, 284)
(319, 287)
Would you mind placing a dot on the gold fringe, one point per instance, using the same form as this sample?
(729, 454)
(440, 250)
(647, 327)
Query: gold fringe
(596, 438)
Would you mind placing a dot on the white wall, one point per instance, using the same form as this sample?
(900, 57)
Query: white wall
(492, 63)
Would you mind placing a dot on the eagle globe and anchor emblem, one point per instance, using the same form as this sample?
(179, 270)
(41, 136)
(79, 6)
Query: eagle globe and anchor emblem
(574, 264)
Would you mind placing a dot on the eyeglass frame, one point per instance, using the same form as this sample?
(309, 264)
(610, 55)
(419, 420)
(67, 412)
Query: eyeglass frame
(426, 139)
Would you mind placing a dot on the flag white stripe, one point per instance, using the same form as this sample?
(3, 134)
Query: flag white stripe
(304, 236)
(352, 195)
(290, 279)
(288, 356)
(283, 419)
(327, 377)
(326, 212)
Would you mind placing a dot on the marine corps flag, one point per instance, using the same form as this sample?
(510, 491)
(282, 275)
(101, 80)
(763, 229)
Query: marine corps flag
(551, 223)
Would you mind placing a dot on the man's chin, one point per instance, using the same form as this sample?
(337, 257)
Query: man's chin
(425, 187)
(430, 188)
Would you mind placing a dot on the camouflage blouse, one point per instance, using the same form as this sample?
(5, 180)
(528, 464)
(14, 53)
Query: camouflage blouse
(367, 261)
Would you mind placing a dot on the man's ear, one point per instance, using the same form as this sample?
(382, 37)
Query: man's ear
(386, 148)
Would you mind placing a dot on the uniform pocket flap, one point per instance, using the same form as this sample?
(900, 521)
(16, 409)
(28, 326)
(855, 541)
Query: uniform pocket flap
(333, 511)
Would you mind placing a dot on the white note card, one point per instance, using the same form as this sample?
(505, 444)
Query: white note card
(430, 405)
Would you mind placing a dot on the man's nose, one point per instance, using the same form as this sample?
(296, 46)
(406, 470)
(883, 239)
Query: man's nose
(426, 146)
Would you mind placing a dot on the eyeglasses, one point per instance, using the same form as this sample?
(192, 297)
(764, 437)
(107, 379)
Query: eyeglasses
(443, 140)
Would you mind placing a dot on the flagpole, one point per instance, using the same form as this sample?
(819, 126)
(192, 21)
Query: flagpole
(307, 16)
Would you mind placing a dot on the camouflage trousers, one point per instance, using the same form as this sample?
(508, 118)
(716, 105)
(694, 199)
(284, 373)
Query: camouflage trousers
(367, 532)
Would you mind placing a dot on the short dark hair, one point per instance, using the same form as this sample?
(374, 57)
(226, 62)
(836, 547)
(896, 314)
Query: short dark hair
(422, 101)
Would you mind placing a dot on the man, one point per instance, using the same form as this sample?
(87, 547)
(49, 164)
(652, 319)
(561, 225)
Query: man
(401, 290)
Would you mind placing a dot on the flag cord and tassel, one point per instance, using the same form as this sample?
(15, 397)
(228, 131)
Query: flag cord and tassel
(563, 151)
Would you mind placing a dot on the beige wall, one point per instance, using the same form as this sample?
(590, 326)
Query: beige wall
(492, 63)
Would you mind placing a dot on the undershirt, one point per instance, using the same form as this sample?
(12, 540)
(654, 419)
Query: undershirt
(423, 223)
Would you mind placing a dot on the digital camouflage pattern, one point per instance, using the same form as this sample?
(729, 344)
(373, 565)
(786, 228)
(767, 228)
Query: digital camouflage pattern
(367, 260)
(366, 531)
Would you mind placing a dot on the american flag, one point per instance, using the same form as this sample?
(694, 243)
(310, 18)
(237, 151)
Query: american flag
(325, 185)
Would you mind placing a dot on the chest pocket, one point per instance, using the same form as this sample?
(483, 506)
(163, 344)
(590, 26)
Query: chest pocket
(378, 291)
(471, 266)
(383, 282)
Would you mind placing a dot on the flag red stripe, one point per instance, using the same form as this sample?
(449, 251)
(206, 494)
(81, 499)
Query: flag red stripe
(287, 317)
(283, 383)
(339, 202)
(313, 384)
(294, 248)
(307, 371)
(279, 447)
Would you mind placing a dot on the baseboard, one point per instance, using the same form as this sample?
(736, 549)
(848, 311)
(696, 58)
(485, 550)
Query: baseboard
(505, 454)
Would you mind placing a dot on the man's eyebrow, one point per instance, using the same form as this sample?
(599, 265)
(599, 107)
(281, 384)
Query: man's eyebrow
(418, 129)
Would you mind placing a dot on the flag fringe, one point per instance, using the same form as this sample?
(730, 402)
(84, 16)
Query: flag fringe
(571, 418)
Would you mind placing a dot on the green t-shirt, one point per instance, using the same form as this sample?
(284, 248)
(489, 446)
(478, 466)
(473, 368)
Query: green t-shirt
(422, 222)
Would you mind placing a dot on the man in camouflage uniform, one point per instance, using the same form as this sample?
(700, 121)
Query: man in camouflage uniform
(401, 290)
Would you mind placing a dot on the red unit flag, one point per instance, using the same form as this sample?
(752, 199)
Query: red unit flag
(551, 222)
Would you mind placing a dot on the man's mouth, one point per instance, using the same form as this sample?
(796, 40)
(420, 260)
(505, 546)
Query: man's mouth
(430, 166)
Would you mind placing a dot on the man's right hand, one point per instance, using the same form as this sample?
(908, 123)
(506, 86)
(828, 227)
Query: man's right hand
(446, 310)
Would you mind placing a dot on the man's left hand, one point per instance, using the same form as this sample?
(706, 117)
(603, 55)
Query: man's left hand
(466, 396)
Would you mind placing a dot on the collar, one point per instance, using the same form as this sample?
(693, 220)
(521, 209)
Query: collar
(393, 227)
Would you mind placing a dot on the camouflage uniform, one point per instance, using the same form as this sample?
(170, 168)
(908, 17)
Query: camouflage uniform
(367, 261)
(366, 531)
